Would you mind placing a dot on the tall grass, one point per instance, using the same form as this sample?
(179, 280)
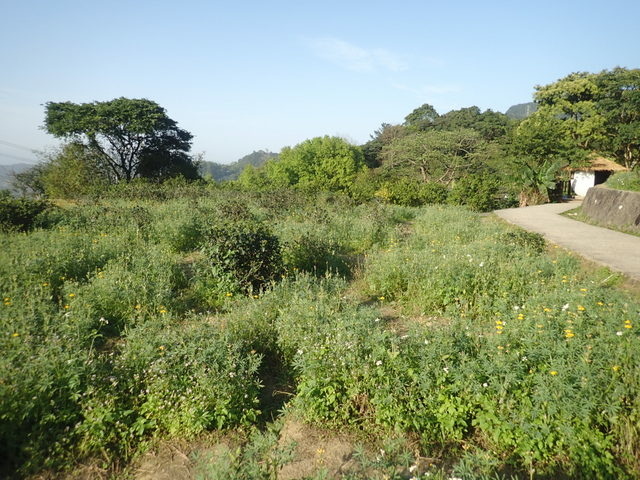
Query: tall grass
(120, 326)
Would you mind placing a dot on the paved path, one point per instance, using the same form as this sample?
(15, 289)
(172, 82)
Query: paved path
(618, 251)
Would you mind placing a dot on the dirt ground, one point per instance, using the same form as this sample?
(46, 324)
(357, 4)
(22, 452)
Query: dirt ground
(315, 450)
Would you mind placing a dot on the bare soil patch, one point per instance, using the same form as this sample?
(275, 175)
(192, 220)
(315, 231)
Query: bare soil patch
(315, 450)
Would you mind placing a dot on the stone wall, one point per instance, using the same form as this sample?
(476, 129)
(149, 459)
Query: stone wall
(616, 208)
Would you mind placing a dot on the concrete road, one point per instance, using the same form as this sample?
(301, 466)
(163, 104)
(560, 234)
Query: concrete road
(618, 251)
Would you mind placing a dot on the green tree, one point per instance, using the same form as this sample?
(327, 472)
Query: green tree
(29, 182)
(383, 136)
(253, 178)
(618, 102)
(321, 163)
(600, 111)
(72, 172)
(489, 124)
(573, 100)
(421, 117)
(437, 156)
(130, 137)
(541, 146)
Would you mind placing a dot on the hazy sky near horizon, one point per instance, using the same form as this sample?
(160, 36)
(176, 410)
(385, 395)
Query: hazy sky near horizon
(250, 75)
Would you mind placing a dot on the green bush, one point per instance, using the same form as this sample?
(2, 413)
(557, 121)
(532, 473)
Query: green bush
(316, 255)
(478, 192)
(176, 379)
(19, 214)
(246, 250)
(412, 193)
(625, 181)
(365, 185)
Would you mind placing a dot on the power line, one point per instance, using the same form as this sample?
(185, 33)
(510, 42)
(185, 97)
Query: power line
(16, 157)
(21, 147)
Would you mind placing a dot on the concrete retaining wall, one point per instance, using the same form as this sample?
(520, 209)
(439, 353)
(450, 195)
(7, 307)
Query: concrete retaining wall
(611, 207)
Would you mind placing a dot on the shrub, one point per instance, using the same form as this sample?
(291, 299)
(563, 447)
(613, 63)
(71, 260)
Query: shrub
(19, 213)
(625, 181)
(246, 250)
(478, 192)
(412, 193)
(176, 379)
(365, 185)
(314, 254)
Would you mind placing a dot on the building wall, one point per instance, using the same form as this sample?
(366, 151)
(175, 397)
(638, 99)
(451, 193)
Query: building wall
(582, 182)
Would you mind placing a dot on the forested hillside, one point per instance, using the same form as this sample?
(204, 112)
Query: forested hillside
(225, 172)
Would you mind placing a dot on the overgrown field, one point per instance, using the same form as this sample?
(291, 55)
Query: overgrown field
(126, 321)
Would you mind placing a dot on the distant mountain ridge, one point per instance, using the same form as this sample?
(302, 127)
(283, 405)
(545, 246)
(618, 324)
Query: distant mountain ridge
(7, 172)
(221, 172)
(521, 110)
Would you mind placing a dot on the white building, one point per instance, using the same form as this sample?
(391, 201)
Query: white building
(597, 172)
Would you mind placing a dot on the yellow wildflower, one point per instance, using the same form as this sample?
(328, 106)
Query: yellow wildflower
(581, 308)
(615, 368)
(15, 334)
(553, 373)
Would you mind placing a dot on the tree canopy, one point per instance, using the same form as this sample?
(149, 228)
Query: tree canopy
(129, 137)
(436, 156)
(320, 163)
(422, 117)
(324, 163)
(489, 124)
(599, 111)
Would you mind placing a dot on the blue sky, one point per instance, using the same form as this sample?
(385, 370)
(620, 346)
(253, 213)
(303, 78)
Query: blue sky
(243, 76)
